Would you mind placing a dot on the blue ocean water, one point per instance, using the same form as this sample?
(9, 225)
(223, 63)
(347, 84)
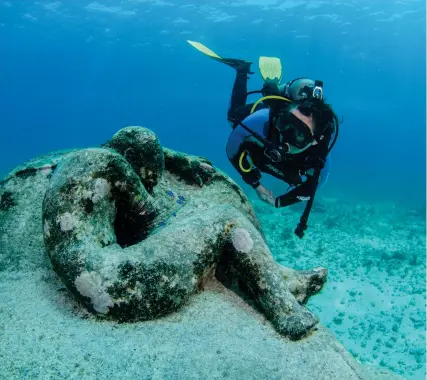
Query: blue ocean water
(74, 72)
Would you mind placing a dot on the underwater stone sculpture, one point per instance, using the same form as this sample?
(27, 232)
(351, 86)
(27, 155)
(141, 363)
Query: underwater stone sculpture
(134, 230)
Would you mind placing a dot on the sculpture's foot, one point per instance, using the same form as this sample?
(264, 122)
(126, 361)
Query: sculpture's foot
(304, 284)
(297, 324)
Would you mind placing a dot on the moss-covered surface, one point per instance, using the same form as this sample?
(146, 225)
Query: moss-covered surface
(136, 240)
(6, 201)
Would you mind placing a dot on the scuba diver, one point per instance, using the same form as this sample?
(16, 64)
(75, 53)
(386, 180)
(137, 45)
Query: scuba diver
(287, 133)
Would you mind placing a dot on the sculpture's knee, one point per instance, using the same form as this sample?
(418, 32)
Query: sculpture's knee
(88, 208)
(143, 151)
(95, 196)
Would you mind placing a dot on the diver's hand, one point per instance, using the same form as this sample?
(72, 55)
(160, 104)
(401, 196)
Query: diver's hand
(265, 195)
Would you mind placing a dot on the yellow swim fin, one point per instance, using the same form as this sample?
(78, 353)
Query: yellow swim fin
(270, 69)
(205, 50)
(238, 64)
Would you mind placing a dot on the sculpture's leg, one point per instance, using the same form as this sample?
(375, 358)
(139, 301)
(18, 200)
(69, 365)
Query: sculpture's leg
(262, 277)
(223, 235)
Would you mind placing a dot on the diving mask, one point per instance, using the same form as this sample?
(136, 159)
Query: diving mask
(294, 133)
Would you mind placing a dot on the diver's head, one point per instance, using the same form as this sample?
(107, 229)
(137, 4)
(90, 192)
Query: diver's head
(303, 88)
(305, 123)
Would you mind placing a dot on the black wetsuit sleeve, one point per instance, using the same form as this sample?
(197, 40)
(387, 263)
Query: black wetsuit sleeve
(305, 189)
(237, 109)
(291, 197)
(242, 164)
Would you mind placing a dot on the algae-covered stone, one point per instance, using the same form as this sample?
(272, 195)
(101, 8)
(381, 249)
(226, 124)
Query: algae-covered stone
(135, 231)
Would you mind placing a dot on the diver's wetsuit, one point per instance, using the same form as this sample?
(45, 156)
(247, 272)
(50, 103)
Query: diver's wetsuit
(292, 170)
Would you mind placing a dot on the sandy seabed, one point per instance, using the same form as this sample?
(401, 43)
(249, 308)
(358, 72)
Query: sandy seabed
(375, 298)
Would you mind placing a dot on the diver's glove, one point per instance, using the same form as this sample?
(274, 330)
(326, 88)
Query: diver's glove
(270, 88)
